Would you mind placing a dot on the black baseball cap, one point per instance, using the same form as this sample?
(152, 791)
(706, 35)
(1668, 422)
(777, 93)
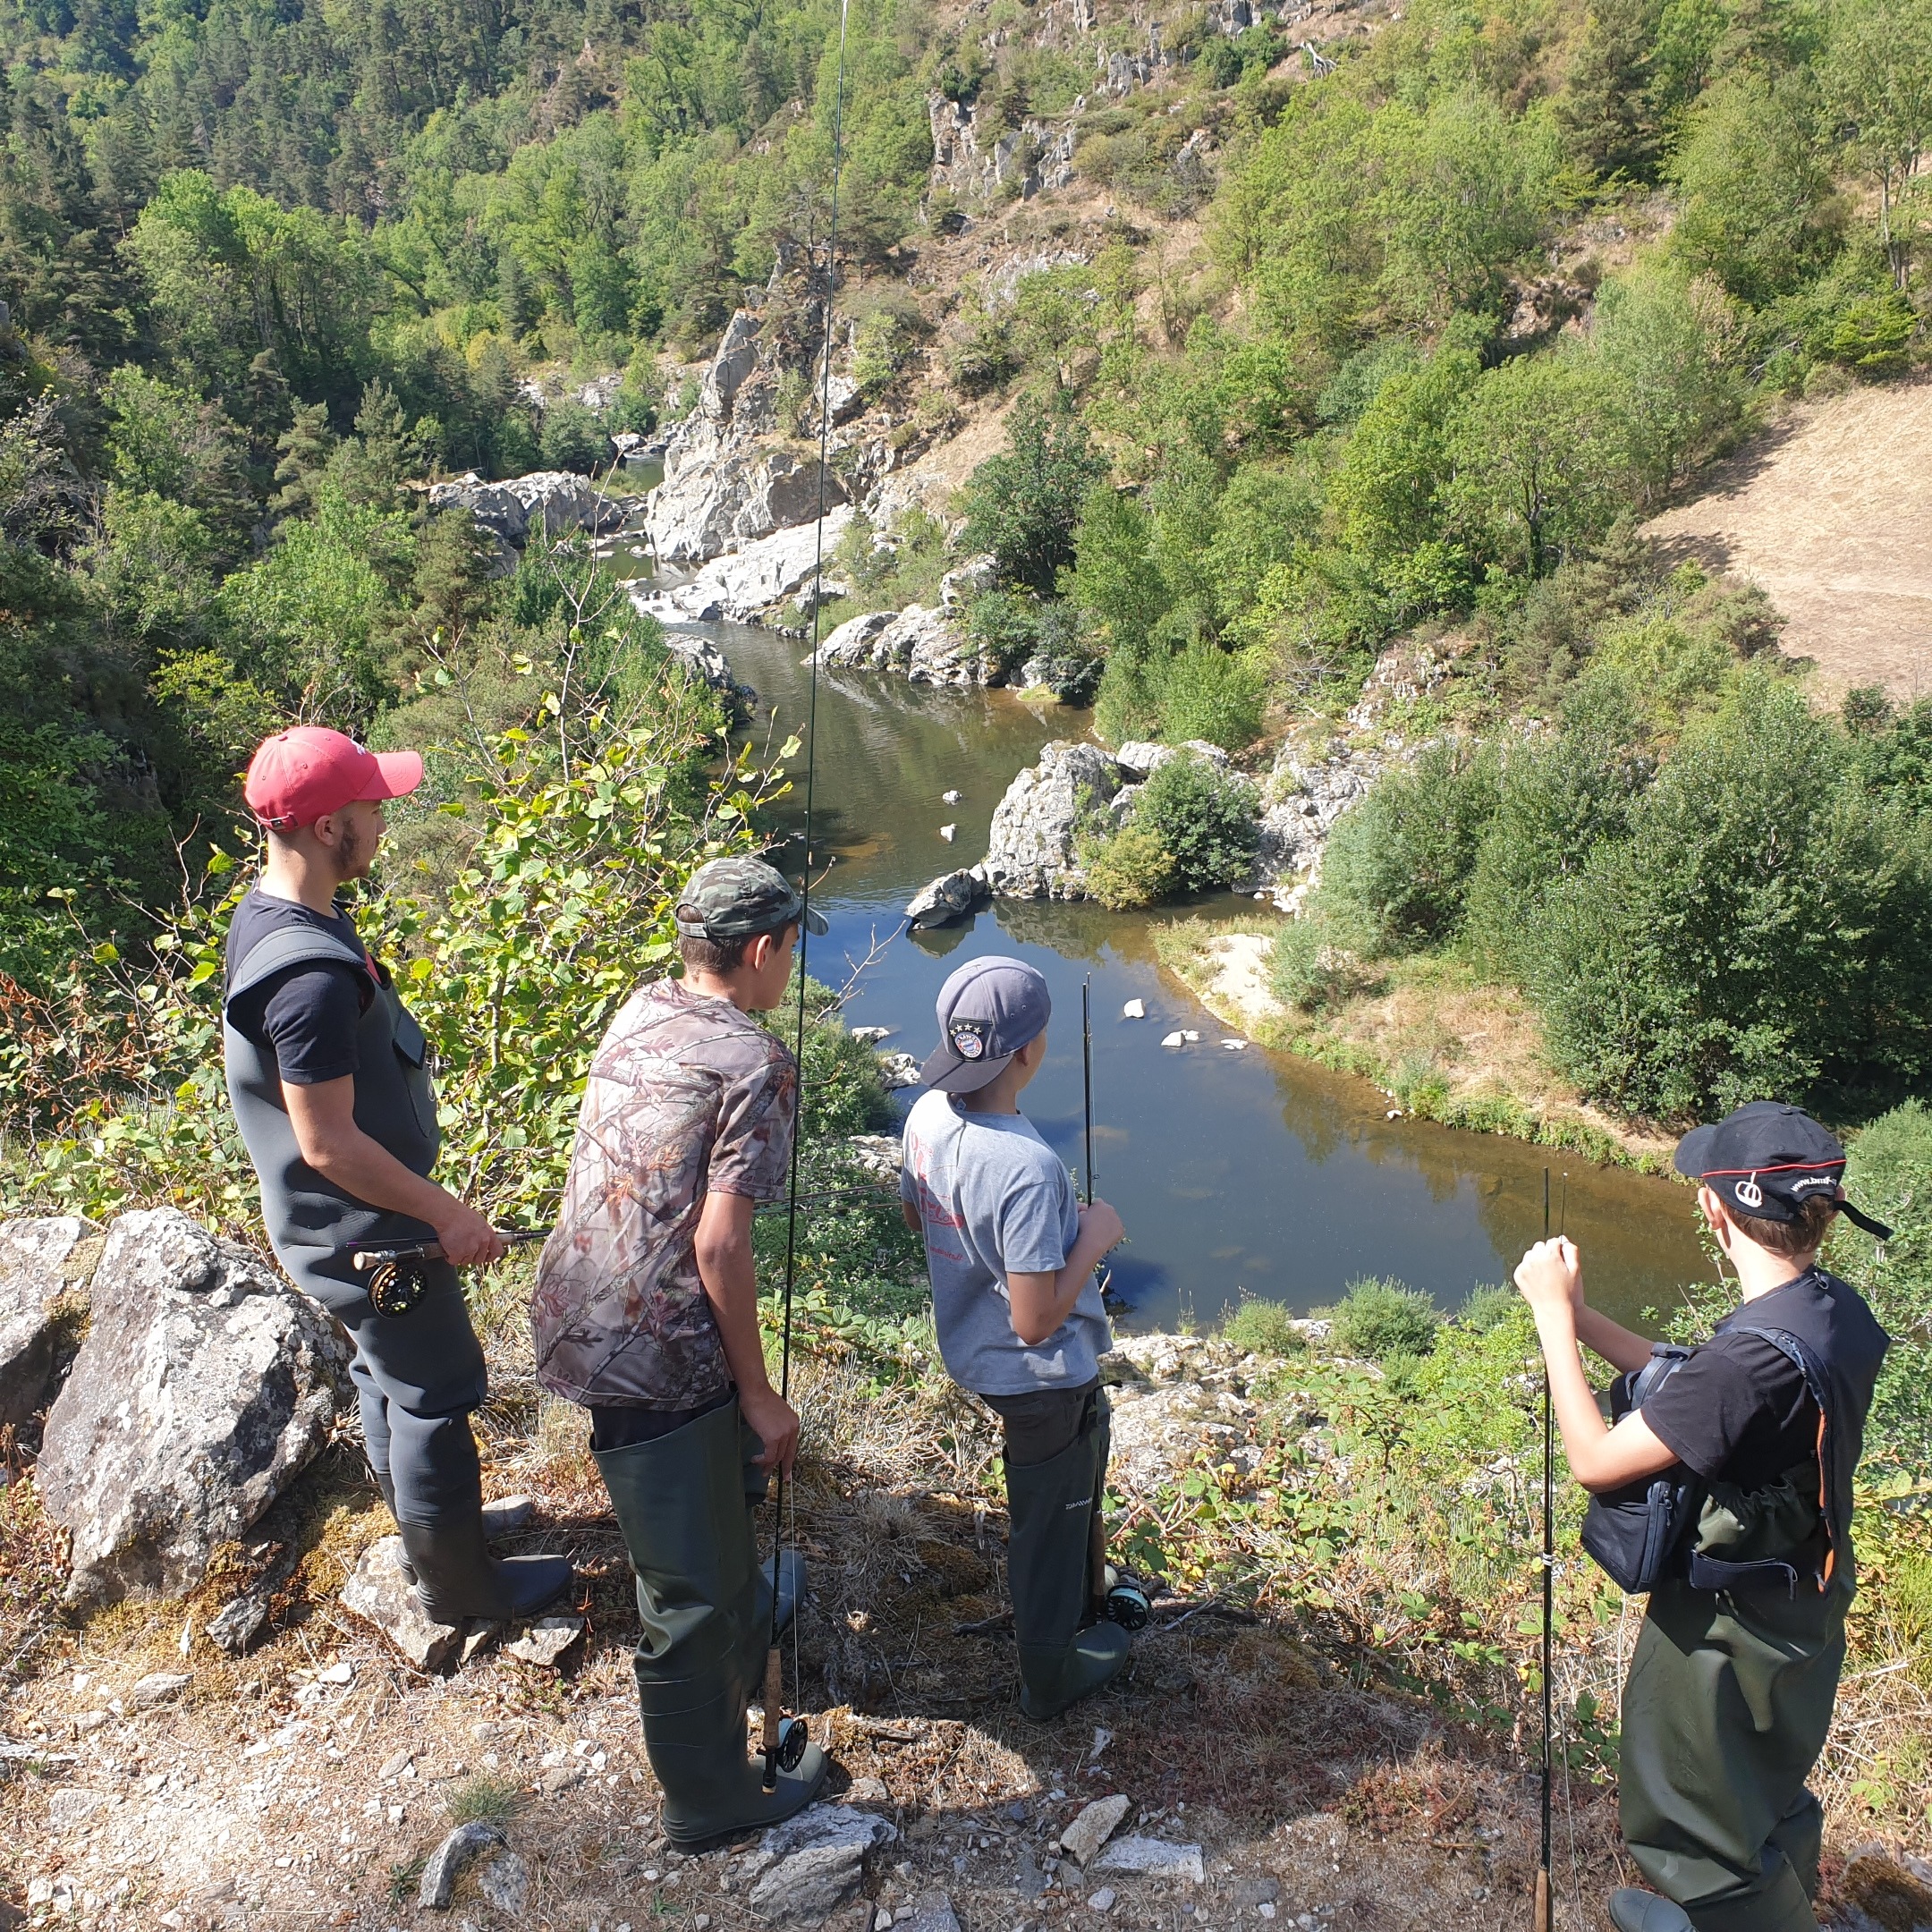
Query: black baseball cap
(1766, 1160)
(989, 1009)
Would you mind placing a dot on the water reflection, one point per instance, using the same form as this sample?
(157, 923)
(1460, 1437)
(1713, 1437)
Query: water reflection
(1234, 1172)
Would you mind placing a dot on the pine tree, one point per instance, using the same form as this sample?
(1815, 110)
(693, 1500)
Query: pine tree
(1605, 111)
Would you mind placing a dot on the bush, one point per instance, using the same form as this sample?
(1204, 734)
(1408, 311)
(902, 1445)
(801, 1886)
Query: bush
(1204, 820)
(1381, 1319)
(1128, 870)
(1024, 506)
(1305, 965)
(1212, 694)
(1398, 864)
(572, 438)
(1888, 1172)
(1489, 1306)
(1263, 1328)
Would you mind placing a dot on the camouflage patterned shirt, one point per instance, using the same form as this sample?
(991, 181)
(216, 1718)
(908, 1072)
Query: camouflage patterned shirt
(687, 1094)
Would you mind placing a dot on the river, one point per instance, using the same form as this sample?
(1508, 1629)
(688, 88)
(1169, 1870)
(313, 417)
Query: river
(1248, 1172)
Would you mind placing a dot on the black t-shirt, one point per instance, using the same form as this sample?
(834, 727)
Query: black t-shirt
(307, 1014)
(1738, 1411)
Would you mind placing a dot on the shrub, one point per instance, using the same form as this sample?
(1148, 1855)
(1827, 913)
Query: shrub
(1305, 968)
(1130, 869)
(1382, 1319)
(1212, 694)
(1888, 1172)
(572, 437)
(1398, 864)
(1263, 1328)
(1203, 818)
(1489, 1306)
(1023, 506)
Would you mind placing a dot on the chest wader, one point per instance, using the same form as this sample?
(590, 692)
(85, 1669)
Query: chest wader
(417, 1376)
(1053, 1510)
(685, 1505)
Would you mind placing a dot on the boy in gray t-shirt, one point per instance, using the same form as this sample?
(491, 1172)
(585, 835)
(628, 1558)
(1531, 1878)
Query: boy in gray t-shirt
(1012, 1256)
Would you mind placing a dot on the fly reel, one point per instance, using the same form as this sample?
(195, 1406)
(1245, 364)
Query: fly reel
(1125, 1602)
(793, 1739)
(395, 1287)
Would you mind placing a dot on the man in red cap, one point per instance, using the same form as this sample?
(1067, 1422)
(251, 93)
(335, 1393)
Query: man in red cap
(328, 1074)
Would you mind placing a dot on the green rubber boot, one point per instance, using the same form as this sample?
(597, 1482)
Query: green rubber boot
(1050, 1508)
(680, 1502)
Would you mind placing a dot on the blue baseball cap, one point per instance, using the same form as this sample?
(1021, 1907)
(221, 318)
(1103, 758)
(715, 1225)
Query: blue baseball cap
(989, 1009)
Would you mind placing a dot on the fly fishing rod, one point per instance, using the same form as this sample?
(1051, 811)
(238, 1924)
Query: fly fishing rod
(784, 1739)
(398, 1278)
(1549, 1609)
(1086, 1034)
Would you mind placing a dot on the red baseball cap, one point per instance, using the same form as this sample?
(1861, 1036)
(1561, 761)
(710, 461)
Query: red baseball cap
(306, 773)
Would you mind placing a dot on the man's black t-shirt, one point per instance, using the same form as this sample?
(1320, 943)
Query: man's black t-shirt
(1738, 1411)
(307, 1015)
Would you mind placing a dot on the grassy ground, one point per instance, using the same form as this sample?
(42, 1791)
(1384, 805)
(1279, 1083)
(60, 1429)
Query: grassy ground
(1444, 1045)
(1335, 1699)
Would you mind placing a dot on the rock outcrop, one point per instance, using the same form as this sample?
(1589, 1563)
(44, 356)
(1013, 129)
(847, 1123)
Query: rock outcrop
(1032, 853)
(724, 486)
(205, 1382)
(927, 646)
(45, 1263)
(551, 502)
(743, 587)
(953, 895)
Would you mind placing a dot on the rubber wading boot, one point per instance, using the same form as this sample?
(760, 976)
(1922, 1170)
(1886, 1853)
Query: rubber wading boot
(385, 1482)
(1050, 1506)
(1632, 1910)
(456, 1577)
(706, 1610)
(1781, 1906)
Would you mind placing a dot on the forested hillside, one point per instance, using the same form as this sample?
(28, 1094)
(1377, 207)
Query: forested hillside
(1305, 329)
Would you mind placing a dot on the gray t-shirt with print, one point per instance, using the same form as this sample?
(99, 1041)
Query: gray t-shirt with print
(994, 1200)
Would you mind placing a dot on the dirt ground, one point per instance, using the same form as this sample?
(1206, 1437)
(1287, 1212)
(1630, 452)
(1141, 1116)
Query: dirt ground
(301, 1785)
(1831, 511)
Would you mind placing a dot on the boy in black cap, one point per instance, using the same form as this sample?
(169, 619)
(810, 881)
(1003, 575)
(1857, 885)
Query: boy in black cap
(1731, 1690)
(1012, 1256)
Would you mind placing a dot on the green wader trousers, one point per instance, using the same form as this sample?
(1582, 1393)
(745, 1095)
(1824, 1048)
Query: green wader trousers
(1726, 1712)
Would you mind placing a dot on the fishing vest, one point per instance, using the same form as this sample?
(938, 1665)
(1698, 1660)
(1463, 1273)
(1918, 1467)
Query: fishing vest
(1640, 1533)
(312, 1223)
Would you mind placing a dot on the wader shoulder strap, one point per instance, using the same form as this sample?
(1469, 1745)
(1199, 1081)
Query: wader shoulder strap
(1710, 1573)
(294, 946)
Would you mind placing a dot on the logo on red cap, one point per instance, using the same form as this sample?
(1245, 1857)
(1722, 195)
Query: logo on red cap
(307, 772)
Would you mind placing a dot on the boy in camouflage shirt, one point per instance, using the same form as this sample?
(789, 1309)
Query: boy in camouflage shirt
(646, 1313)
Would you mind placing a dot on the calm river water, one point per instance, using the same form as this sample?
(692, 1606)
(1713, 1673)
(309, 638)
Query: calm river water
(1234, 1172)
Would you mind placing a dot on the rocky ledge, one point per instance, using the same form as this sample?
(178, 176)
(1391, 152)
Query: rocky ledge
(548, 503)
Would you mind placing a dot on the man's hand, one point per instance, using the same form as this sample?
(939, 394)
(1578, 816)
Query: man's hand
(776, 1424)
(1550, 1277)
(1099, 1223)
(467, 1238)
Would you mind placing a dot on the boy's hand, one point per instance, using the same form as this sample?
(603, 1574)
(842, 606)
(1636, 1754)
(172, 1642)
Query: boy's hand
(776, 1424)
(1099, 1222)
(1550, 1277)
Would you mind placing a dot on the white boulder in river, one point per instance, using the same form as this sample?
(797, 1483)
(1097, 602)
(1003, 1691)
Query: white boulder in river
(1032, 852)
(205, 1382)
(929, 647)
(950, 896)
(741, 586)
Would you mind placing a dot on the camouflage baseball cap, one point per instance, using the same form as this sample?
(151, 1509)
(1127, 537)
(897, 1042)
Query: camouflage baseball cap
(731, 897)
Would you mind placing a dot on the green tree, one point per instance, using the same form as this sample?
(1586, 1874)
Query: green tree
(1878, 76)
(1115, 582)
(1606, 110)
(1024, 507)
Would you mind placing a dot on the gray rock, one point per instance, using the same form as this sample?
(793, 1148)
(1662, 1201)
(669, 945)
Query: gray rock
(811, 1864)
(508, 1516)
(504, 1882)
(546, 1639)
(466, 1843)
(1250, 1891)
(547, 502)
(950, 896)
(44, 1262)
(159, 1687)
(73, 1805)
(752, 577)
(379, 1593)
(972, 578)
(1140, 759)
(1154, 1858)
(851, 643)
(926, 646)
(1102, 1901)
(1032, 852)
(206, 1384)
(932, 1911)
(234, 1626)
(1095, 1823)
(899, 1071)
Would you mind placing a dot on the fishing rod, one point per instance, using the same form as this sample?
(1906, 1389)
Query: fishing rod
(397, 1276)
(1086, 1031)
(1549, 1582)
(784, 1740)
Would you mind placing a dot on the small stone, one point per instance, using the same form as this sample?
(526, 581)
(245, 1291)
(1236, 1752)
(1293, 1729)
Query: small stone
(932, 1911)
(1102, 1901)
(1102, 1737)
(160, 1687)
(1135, 1009)
(1154, 1858)
(1255, 1892)
(479, 1635)
(546, 1639)
(1234, 1045)
(951, 798)
(508, 1516)
(234, 1626)
(504, 1882)
(868, 1790)
(466, 1842)
(947, 833)
(1265, 1907)
(1172, 1040)
(807, 1867)
(394, 1767)
(336, 1673)
(1191, 1036)
(89, 1721)
(380, 1594)
(1096, 1823)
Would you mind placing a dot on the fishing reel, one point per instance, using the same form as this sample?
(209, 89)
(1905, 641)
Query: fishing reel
(1126, 1603)
(396, 1286)
(793, 1739)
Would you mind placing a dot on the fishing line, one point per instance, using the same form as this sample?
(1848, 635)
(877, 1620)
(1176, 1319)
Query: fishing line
(774, 1746)
(1086, 1028)
(1550, 1607)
